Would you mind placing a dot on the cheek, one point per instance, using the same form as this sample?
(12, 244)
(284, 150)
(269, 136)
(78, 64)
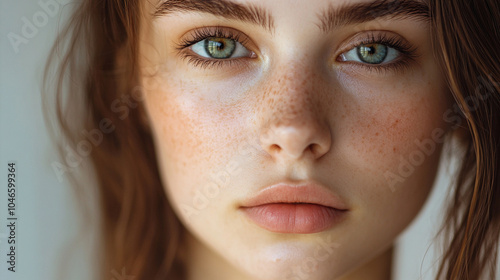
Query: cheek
(393, 144)
(389, 119)
(384, 131)
(378, 159)
(193, 138)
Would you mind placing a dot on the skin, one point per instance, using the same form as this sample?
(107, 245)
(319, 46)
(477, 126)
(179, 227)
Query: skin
(252, 125)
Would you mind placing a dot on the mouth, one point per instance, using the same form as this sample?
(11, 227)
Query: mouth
(304, 209)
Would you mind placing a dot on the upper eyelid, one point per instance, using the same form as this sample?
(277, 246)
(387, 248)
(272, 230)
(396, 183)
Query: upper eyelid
(408, 58)
(192, 35)
(374, 36)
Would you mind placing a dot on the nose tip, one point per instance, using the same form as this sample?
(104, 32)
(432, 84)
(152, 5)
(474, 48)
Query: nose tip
(294, 141)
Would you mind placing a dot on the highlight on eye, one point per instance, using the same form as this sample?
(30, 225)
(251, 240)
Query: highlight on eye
(380, 52)
(371, 53)
(220, 48)
(215, 46)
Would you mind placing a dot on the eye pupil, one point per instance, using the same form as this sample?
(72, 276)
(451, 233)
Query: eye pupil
(372, 53)
(220, 48)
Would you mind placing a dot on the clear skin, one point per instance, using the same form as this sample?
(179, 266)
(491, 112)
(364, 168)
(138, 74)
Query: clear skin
(252, 122)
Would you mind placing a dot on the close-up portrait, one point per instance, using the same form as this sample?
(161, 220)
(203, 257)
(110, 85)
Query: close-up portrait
(250, 139)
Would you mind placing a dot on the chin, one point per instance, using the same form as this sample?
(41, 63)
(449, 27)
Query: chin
(305, 268)
(315, 259)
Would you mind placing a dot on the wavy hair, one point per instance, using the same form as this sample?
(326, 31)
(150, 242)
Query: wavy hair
(95, 58)
(466, 35)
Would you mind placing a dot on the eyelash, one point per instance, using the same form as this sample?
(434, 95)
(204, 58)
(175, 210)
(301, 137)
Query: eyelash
(408, 53)
(202, 34)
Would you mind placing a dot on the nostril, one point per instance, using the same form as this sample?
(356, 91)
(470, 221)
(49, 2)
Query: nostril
(315, 149)
(274, 148)
(311, 148)
(294, 140)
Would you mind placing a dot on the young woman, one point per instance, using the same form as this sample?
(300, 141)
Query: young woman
(254, 139)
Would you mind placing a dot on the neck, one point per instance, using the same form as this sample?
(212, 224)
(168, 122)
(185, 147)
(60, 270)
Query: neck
(202, 263)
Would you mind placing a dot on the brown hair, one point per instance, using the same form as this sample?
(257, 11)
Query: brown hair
(466, 37)
(140, 230)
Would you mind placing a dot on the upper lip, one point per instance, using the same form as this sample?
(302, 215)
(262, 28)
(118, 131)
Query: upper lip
(310, 192)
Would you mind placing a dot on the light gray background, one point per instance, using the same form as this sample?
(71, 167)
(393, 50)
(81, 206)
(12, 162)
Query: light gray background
(47, 213)
(47, 216)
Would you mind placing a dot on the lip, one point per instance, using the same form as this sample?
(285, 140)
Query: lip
(286, 208)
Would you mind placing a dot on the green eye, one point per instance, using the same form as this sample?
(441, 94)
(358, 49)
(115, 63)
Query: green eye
(372, 53)
(220, 48)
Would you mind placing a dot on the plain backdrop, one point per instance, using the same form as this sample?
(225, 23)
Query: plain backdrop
(47, 213)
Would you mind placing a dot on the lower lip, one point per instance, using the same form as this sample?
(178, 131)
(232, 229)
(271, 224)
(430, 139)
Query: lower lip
(294, 217)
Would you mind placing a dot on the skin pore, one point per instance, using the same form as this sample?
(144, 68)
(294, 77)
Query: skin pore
(293, 104)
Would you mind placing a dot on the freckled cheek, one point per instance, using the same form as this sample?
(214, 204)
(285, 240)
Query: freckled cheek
(386, 130)
(383, 138)
(192, 136)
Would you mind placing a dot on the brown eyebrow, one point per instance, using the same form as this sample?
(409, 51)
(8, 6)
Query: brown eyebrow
(223, 8)
(334, 17)
(330, 18)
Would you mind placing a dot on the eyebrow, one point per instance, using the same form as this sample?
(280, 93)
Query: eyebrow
(222, 8)
(334, 17)
(330, 18)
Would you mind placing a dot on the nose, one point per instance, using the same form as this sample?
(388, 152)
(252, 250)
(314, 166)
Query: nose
(296, 124)
(300, 138)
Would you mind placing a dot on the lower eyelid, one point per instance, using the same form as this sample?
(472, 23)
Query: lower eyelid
(399, 66)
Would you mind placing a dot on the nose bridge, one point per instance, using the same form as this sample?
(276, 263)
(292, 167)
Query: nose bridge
(293, 111)
(292, 95)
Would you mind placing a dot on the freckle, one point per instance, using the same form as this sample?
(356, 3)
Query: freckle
(394, 149)
(376, 134)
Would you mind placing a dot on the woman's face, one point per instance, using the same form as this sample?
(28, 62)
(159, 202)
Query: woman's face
(341, 108)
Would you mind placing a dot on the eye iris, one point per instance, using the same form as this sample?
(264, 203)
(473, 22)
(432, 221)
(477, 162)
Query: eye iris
(220, 47)
(372, 53)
